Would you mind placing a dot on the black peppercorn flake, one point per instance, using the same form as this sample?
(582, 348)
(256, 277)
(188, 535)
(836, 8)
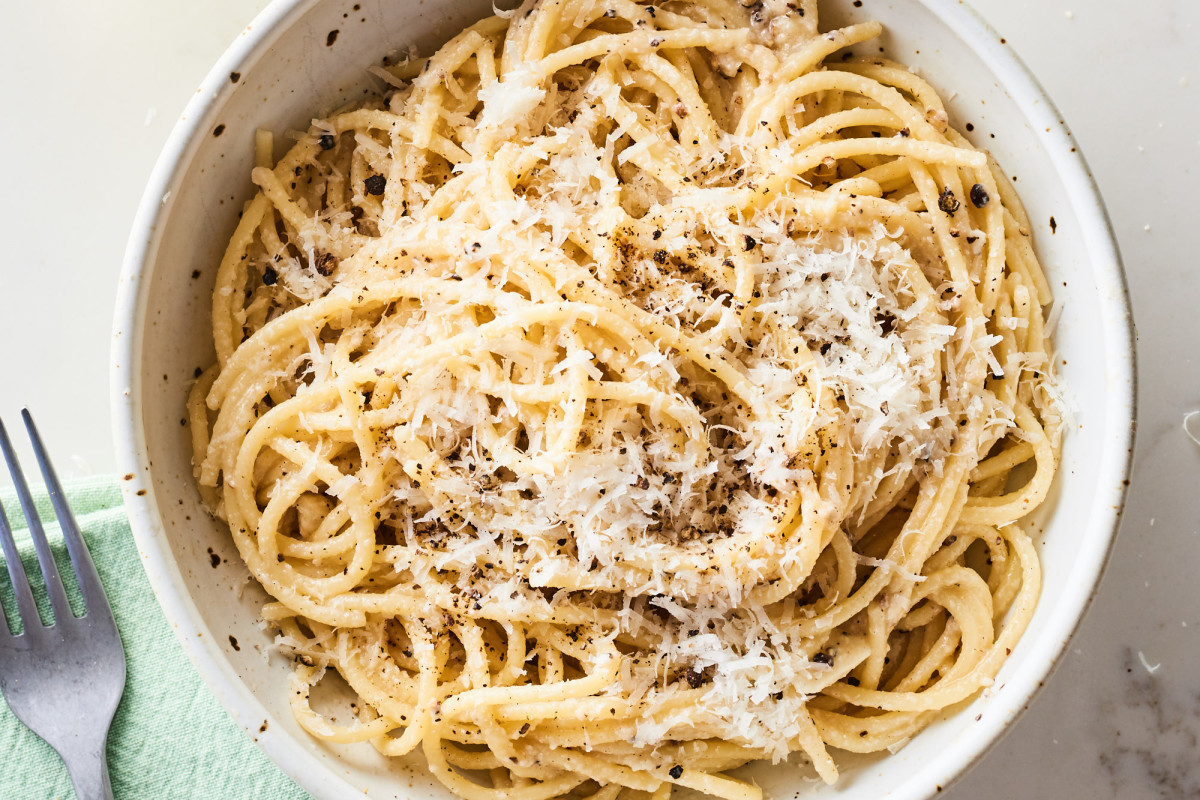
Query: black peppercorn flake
(947, 202)
(979, 196)
(327, 141)
(217, 131)
(852, 681)
(676, 772)
(750, 242)
(325, 263)
(375, 184)
(270, 276)
(822, 658)
(887, 323)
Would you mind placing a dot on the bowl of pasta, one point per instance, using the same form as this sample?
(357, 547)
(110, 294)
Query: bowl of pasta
(612, 399)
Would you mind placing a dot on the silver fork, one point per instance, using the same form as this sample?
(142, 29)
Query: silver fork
(63, 680)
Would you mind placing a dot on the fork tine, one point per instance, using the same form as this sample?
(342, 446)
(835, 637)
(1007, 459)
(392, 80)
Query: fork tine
(26, 609)
(81, 558)
(54, 585)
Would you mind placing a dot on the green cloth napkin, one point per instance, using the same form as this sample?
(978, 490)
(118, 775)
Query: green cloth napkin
(170, 738)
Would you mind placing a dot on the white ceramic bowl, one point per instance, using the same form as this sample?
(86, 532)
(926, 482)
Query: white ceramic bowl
(288, 73)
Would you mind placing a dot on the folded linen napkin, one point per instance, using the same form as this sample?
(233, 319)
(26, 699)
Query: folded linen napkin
(170, 738)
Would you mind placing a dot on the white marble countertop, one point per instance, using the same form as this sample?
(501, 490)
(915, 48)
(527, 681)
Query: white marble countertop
(90, 91)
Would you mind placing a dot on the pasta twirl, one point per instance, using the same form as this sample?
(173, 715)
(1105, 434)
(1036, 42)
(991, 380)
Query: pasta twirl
(633, 392)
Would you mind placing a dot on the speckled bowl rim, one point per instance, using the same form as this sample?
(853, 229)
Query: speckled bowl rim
(204, 650)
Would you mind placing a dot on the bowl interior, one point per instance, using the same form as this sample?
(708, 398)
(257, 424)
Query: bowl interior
(292, 66)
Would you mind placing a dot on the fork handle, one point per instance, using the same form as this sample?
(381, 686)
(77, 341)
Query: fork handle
(89, 773)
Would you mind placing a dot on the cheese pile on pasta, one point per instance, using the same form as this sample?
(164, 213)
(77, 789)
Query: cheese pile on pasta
(632, 392)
